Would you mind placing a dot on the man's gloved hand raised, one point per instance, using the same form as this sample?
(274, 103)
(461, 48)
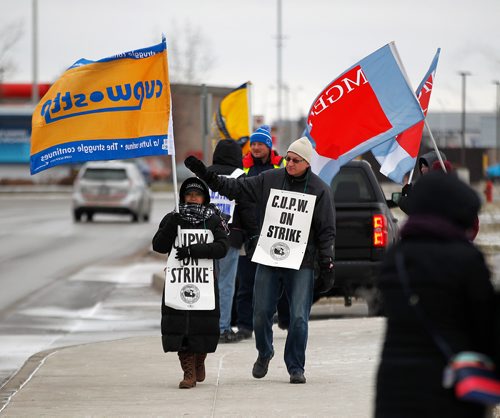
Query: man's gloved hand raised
(326, 277)
(196, 166)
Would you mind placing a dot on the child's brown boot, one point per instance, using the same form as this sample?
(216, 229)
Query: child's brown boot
(200, 366)
(188, 366)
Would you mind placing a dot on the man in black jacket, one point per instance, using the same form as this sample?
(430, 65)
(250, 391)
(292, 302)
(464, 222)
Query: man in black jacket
(296, 177)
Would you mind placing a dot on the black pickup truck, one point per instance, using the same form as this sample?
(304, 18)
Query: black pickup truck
(365, 228)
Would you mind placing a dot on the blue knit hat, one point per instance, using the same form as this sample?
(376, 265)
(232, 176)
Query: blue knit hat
(262, 134)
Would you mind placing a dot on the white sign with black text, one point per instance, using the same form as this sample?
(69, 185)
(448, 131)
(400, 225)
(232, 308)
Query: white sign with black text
(285, 230)
(189, 284)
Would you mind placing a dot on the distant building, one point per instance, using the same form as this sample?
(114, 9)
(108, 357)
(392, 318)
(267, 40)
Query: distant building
(480, 129)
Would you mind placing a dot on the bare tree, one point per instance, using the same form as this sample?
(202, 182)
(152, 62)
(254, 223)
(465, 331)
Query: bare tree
(190, 57)
(9, 36)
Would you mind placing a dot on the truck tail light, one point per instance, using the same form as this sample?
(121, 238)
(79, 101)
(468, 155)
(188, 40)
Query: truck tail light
(379, 231)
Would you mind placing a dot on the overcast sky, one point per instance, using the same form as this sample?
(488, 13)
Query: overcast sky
(322, 39)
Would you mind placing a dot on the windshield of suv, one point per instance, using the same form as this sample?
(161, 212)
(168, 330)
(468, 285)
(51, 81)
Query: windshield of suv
(105, 174)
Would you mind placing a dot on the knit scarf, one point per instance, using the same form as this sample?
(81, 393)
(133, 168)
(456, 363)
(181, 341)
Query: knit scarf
(194, 213)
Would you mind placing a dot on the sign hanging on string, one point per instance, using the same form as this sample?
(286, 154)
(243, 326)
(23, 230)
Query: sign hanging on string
(285, 230)
(189, 283)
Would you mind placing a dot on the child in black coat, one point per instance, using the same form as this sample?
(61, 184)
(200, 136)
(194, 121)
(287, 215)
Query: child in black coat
(189, 331)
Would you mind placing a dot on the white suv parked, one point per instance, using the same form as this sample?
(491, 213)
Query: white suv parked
(111, 187)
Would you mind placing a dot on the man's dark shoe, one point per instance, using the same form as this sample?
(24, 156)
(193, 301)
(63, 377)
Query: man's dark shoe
(244, 334)
(260, 367)
(229, 337)
(297, 377)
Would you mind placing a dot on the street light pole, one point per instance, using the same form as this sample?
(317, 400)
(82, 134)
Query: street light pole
(463, 74)
(497, 124)
(279, 78)
(34, 87)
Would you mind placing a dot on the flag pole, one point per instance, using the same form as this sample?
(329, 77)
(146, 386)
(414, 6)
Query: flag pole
(410, 178)
(170, 132)
(249, 98)
(435, 146)
(174, 164)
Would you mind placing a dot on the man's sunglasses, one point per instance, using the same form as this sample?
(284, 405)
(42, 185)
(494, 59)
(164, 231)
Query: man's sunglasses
(295, 160)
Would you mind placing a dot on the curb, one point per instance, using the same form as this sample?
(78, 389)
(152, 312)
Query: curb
(31, 367)
(24, 375)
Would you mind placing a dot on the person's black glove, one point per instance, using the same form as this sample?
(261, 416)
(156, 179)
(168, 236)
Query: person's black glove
(406, 189)
(326, 278)
(183, 253)
(196, 166)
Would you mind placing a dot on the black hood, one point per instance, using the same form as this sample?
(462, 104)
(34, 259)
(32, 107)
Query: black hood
(196, 180)
(429, 158)
(228, 153)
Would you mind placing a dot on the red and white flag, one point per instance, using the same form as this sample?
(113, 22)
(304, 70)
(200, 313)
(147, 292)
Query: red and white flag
(398, 156)
(368, 104)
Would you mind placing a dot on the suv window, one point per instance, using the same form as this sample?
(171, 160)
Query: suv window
(352, 185)
(105, 174)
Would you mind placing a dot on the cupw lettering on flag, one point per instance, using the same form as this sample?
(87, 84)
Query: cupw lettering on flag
(114, 108)
(368, 104)
(398, 156)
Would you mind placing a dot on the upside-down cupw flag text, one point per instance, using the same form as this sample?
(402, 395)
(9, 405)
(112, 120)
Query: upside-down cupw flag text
(115, 108)
(368, 104)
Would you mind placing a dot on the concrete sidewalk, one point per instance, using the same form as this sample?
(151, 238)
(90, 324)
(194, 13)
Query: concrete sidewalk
(133, 377)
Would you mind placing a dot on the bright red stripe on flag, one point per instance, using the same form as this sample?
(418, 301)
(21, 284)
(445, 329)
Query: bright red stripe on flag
(346, 114)
(410, 139)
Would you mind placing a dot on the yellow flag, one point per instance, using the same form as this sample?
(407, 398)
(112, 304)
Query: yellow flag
(233, 116)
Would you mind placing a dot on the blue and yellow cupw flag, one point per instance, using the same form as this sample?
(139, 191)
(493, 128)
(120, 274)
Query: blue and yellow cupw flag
(114, 108)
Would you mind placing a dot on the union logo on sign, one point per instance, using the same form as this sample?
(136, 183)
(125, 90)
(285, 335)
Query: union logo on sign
(279, 251)
(190, 294)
